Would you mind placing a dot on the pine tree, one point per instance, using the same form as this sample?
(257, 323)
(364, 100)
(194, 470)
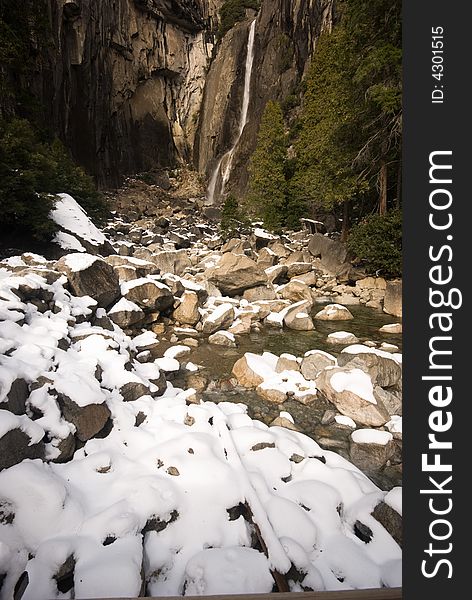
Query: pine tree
(267, 183)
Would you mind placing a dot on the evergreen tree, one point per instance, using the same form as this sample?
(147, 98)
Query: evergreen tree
(267, 183)
(233, 220)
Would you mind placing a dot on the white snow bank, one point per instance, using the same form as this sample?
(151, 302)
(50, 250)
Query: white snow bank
(355, 381)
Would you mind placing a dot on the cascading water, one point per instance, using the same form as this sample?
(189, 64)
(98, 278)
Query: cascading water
(227, 158)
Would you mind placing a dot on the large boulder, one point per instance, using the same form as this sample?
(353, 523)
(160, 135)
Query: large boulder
(221, 318)
(91, 276)
(370, 449)
(172, 261)
(235, 273)
(148, 294)
(353, 394)
(382, 368)
(251, 369)
(126, 314)
(332, 253)
(314, 362)
(88, 420)
(393, 298)
(187, 311)
(295, 291)
(334, 312)
(20, 438)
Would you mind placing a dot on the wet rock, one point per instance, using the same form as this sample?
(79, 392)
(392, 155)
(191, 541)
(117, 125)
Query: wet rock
(235, 273)
(187, 311)
(334, 312)
(352, 392)
(90, 276)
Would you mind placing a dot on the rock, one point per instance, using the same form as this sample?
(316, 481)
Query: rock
(90, 276)
(266, 258)
(263, 292)
(66, 449)
(287, 362)
(235, 273)
(241, 326)
(172, 261)
(373, 453)
(284, 422)
(352, 392)
(297, 318)
(393, 298)
(88, 420)
(332, 253)
(15, 447)
(314, 362)
(148, 294)
(126, 314)
(133, 390)
(295, 291)
(279, 249)
(391, 328)
(334, 312)
(309, 278)
(223, 338)
(383, 369)
(236, 246)
(298, 268)
(272, 394)
(341, 337)
(245, 374)
(221, 318)
(276, 274)
(16, 397)
(391, 400)
(390, 520)
(187, 311)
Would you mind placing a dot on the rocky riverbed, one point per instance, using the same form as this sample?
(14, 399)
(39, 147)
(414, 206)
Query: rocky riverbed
(132, 350)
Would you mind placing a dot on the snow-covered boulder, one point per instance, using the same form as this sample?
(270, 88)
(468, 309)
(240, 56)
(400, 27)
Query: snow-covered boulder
(89, 275)
(370, 449)
(221, 318)
(334, 312)
(76, 232)
(341, 337)
(381, 366)
(314, 362)
(352, 392)
(148, 294)
(223, 338)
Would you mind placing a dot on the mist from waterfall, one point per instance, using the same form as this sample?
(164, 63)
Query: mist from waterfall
(227, 158)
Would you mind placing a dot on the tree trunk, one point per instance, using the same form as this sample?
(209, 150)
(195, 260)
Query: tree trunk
(345, 226)
(399, 185)
(383, 188)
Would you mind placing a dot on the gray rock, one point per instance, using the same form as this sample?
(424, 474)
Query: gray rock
(88, 420)
(236, 273)
(393, 298)
(14, 447)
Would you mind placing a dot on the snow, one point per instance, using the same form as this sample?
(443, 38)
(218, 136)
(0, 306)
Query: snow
(124, 305)
(371, 436)
(361, 349)
(395, 424)
(356, 382)
(68, 242)
(343, 420)
(177, 351)
(340, 335)
(262, 233)
(80, 262)
(182, 468)
(69, 215)
(394, 499)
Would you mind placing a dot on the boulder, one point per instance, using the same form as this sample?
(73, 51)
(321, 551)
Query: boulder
(172, 261)
(266, 258)
(334, 312)
(16, 398)
(370, 449)
(223, 338)
(341, 337)
(394, 328)
(297, 317)
(251, 369)
(126, 314)
(148, 294)
(16, 445)
(221, 318)
(262, 292)
(295, 291)
(298, 268)
(88, 420)
(287, 362)
(91, 276)
(383, 369)
(236, 246)
(236, 273)
(276, 274)
(391, 400)
(314, 362)
(352, 392)
(133, 390)
(187, 311)
(393, 298)
(332, 253)
(389, 518)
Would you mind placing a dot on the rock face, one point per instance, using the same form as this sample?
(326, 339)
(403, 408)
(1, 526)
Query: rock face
(236, 273)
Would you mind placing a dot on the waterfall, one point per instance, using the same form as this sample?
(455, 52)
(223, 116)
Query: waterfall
(227, 158)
